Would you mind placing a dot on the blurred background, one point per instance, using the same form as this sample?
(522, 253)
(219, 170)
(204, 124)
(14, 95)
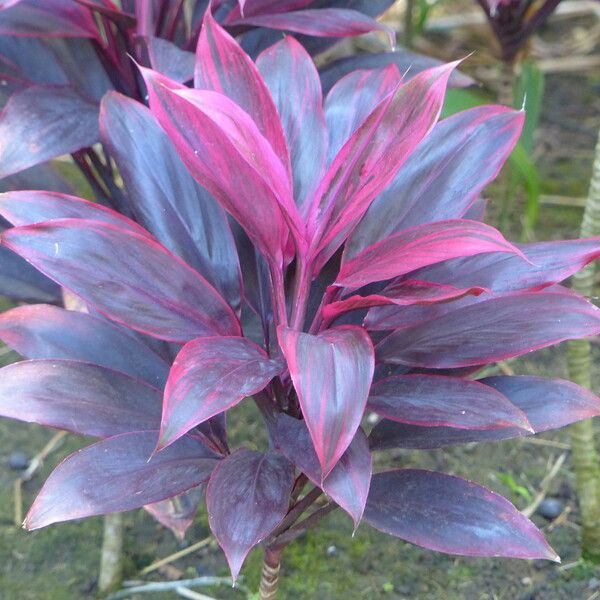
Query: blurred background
(540, 195)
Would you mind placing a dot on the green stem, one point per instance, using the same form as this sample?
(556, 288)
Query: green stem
(583, 444)
(111, 560)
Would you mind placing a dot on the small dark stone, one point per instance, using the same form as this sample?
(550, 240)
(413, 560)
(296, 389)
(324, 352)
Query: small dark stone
(550, 508)
(331, 550)
(18, 461)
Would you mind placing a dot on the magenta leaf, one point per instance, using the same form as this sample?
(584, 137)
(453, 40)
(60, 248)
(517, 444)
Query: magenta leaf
(223, 149)
(351, 100)
(126, 276)
(550, 263)
(435, 400)
(444, 175)
(80, 397)
(332, 396)
(178, 513)
(247, 496)
(348, 483)
(401, 293)
(222, 66)
(326, 22)
(370, 159)
(164, 197)
(492, 330)
(548, 404)
(294, 84)
(54, 18)
(452, 515)
(43, 122)
(28, 207)
(117, 475)
(43, 331)
(209, 376)
(420, 246)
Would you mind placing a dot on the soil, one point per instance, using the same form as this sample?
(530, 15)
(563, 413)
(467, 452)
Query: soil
(61, 561)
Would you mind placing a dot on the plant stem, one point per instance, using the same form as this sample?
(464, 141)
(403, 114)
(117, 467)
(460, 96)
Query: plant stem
(111, 560)
(269, 581)
(583, 447)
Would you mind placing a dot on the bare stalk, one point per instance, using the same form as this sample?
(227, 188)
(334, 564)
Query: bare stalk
(111, 559)
(583, 443)
(269, 581)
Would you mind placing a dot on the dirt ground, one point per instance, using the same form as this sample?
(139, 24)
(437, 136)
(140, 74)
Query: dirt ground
(60, 562)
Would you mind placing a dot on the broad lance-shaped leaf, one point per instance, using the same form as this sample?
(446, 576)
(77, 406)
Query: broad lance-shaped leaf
(165, 198)
(248, 8)
(371, 158)
(293, 81)
(451, 515)
(128, 277)
(407, 62)
(348, 483)
(402, 293)
(326, 22)
(444, 176)
(43, 122)
(43, 331)
(27, 207)
(550, 263)
(248, 495)
(165, 57)
(55, 18)
(116, 475)
(222, 66)
(435, 400)
(80, 397)
(548, 404)
(491, 330)
(419, 246)
(332, 396)
(225, 162)
(209, 376)
(352, 99)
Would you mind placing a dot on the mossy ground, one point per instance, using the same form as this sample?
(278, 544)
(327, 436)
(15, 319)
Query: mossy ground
(61, 561)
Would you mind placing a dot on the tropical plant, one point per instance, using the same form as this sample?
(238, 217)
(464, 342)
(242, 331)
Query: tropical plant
(352, 274)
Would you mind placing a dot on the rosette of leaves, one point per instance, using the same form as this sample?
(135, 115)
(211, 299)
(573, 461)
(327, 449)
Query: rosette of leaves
(322, 258)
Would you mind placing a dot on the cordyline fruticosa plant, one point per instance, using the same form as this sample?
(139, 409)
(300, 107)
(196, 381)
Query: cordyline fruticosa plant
(353, 274)
(513, 22)
(59, 57)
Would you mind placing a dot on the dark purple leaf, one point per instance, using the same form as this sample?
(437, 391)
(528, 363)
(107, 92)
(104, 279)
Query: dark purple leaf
(409, 63)
(294, 83)
(169, 59)
(348, 483)
(332, 396)
(43, 122)
(248, 495)
(444, 175)
(371, 157)
(492, 330)
(248, 8)
(550, 263)
(80, 397)
(42, 331)
(324, 22)
(164, 197)
(209, 376)
(449, 514)
(126, 276)
(116, 475)
(419, 246)
(54, 18)
(548, 404)
(435, 400)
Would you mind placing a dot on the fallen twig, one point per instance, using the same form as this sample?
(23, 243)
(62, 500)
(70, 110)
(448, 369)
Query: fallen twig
(187, 593)
(175, 556)
(165, 586)
(545, 485)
